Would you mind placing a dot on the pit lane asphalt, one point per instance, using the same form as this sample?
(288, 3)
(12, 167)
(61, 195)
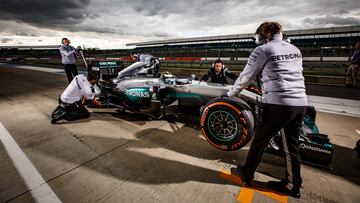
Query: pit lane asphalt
(121, 157)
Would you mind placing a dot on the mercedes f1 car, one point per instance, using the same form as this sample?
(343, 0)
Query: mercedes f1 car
(227, 123)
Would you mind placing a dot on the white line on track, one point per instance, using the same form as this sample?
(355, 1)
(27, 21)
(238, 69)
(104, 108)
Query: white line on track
(40, 190)
(36, 68)
(43, 69)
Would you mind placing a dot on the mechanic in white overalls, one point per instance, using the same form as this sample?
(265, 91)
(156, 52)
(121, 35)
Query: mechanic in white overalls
(71, 106)
(284, 104)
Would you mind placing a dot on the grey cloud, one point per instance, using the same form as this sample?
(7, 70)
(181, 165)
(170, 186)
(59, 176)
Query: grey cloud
(333, 20)
(45, 13)
(5, 40)
(162, 35)
(146, 18)
(159, 7)
(325, 7)
(21, 34)
(343, 11)
(24, 34)
(151, 18)
(162, 19)
(164, 7)
(93, 28)
(119, 31)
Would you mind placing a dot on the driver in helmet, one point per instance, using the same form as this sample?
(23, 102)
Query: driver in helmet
(141, 57)
(284, 104)
(218, 73)
(134, 56)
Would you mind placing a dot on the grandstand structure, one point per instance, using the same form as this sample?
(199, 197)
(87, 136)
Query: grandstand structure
(319, 44)
(334, 44)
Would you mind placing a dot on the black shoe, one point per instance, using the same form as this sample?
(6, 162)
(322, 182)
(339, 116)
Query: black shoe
(280, 186)
(246, 180)
(53, 121)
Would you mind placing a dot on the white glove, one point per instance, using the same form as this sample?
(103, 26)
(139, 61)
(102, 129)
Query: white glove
(230, 93)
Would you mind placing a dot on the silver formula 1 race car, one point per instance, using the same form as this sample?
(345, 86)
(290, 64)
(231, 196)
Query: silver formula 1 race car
(227, 123)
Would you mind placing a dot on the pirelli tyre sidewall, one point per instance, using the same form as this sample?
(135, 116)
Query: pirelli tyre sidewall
(226, 124)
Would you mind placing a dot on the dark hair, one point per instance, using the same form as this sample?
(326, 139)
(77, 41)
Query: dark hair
(92, 76)
(268, 29)
(218, 61)
(62, 40)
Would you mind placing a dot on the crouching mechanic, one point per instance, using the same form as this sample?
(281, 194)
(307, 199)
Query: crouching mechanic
(218, 73)
(71, 106)
(284, 104)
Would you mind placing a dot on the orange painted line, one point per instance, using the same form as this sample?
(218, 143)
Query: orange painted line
(245, 195)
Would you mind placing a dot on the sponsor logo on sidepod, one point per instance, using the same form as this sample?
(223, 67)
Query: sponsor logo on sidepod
(137, 93)
(317, 149)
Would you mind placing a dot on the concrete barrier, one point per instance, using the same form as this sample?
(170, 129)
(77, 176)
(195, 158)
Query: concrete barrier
(331, 73)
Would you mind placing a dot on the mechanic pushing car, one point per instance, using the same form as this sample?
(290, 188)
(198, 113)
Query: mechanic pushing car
(218, 73)
(283, 106)
(71, 106)
(68, 58)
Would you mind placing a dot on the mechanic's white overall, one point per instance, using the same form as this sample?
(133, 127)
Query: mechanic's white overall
(70, 105)
(79, 87)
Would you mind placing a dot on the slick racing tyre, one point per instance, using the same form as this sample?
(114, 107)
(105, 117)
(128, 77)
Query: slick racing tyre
(226, 124)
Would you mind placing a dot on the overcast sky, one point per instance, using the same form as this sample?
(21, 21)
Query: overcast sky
(111, 24)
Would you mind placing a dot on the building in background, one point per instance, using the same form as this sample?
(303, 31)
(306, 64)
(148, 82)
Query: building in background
(333, 44)
(319, 44)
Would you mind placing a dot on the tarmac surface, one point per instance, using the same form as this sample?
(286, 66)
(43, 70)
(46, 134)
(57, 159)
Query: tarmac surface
(122, 157)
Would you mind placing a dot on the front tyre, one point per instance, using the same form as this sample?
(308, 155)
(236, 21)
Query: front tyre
(227, 125)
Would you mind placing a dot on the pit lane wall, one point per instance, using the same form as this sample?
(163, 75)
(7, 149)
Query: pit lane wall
(309, 77)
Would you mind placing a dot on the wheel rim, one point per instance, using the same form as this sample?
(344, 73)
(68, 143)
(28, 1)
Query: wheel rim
(223, 126)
